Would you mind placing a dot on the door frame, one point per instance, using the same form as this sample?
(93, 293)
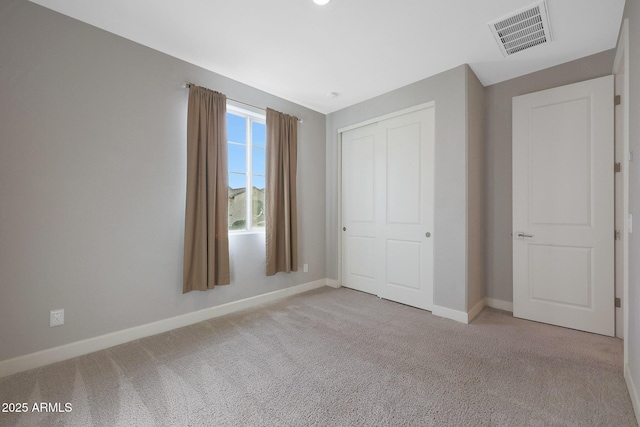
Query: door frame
(621, 66)
(341, 130)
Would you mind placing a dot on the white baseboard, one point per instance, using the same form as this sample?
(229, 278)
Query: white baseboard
(78, 348)
(333, 283)
(459, 316)
(448, 313)
(475, 310)
(633, 391)
(499, 304)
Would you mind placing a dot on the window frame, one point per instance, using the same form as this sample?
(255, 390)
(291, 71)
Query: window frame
(251, 115)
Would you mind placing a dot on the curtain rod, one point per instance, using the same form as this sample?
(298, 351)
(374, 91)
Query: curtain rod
(188, 85)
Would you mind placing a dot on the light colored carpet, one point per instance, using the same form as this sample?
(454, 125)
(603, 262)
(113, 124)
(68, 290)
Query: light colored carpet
(337, 357)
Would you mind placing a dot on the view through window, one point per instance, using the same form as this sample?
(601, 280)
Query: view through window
(247, 134)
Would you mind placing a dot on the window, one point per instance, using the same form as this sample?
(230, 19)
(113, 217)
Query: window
(247, 134)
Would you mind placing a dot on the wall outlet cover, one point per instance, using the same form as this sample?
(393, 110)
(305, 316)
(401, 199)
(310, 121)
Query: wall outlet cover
(56, 318)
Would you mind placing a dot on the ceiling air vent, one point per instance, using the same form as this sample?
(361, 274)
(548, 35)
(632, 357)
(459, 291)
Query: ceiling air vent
(523, 29)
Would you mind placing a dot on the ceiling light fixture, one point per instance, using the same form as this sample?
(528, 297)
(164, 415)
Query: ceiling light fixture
(321, 2)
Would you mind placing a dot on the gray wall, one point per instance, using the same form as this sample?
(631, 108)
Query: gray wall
(448, 90)
(92, 184)
(475, 185)
(497, 190)
(632, 12)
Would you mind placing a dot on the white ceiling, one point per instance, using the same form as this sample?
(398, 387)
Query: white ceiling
(359, 48)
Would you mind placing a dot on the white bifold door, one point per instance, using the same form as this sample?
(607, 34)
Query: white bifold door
(387, 208)
(563, 206)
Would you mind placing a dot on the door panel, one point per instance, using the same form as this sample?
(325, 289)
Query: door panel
(403, 174)
(403, 264)
(361, 179)
(560, 162)
(362, 256)
(563, 206)
(561, 274)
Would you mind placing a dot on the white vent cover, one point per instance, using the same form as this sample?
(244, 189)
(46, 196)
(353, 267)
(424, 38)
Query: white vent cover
(523, 29)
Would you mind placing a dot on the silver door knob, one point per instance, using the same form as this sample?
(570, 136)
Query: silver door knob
(427, 234)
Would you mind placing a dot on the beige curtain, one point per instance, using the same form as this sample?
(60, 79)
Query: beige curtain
(206, 239)
(280, 206)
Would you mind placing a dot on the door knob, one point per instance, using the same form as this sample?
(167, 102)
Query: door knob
(344, 228)
(427, 234)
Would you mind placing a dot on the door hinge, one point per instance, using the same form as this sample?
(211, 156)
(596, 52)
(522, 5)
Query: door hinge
(617, 235)
(617, 302)
(617, 100)
(617, 167)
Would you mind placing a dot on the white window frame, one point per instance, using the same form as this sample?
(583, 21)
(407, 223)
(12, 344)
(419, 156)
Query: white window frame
(254, 115)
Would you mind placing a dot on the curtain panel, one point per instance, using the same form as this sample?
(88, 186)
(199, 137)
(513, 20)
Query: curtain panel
(281, 213)
(206, 238)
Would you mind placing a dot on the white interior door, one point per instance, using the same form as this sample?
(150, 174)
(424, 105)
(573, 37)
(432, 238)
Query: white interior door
(360, 210)
(407, 258)
(563, 195)
(387, 173)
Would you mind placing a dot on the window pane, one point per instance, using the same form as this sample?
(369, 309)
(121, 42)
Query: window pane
(259, 134)
(237, 181)
(237, 158)
(236, 128)
(237, 201)
(258, 181)
(257, 207)
(258, 161)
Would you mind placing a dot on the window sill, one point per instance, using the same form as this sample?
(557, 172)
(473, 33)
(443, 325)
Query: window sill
(245, 232)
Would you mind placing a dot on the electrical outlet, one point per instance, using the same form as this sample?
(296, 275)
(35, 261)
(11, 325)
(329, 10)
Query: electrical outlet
(56, 318)
(305, 268)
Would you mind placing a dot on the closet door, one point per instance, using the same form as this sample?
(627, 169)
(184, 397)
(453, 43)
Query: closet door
(360, 208)
(407, 222)
(388, 208)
